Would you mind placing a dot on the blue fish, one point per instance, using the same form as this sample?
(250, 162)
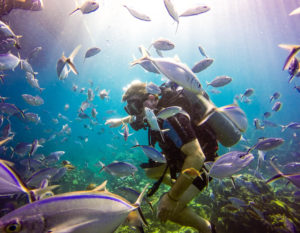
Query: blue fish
(152, 153)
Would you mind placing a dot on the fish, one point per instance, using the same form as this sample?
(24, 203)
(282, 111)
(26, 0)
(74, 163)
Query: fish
(8, 44)
(295, 11)
(269, 124)
(275, 96)
(261, 159)
(7, 32)
(229, 164)
(293, 178)
(10, 109)
(202, 65)
(172, 12)
(87, 7)
(64, 73)
(63, 61)
(21, 149)
(33, 82)
(91, 94)
(293, 69)
(34, 146)
(292, 125)
(33, 100)
(126, 133)
(195, 11)
(202, 51)
(8, 61)
(94, 113)
(293, 49)
(59, 174)
(11, 184)
(163, 44)
(84, 211)
(266, 144)
(277, 106)
(103, 94)
(116, 122)
(220, 81)
(120, 169)
(32, 117)
(37, 177)
(152, 121)
(53, 157)
(83, 115)
(34, 53)
(173, 70)
(153, 89)
(170, 111)
(152, 153)
(267, 114)
(25, 65)
(137, 14)
(214, 91)
(5, 140)
(248, 93)
(238, 203)
(92, 52)
(257, 124)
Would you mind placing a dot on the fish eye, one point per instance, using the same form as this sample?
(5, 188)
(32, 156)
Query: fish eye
(13, 227)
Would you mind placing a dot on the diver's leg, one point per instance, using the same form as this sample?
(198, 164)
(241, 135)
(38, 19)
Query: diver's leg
(186, 216)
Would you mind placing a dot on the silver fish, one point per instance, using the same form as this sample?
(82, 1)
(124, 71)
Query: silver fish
(220, 81)
(32, 117)
(169, 112)
(137, 14)
(63, 61)
(202, 51)
(152, 153)
(202, 65)
(277, 106)
(275, 96)
(266, 144)
(229, 164)
(25, 65)
(248, 93)
(91, 94)
(92, 52)
(94, 113)
(195, 11)
(87, 7)
(152, 121)
(8, 61)
(34, 53)
(163, 44)
(33, 81)
(120, 169)
(172, 12)
(292, 125)
(33, 100)
(93, 211)
(153, 89)
(173, 70)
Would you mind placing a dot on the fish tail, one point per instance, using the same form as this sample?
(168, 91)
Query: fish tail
(283, 128)
(72, 67)
(138, 204)
(292, 76)
(276, 177)
(74, 11)
(103, 166)
(145, 56)
(177, 26)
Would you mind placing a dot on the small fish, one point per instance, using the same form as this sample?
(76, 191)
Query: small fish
(267, 114)
(74, 87)
(25, 65)
(293, 49)
(220, 81)
(83, 115)
(194, 11)
(8, 61)
(5, 140)
(275, 96)
(152, 153)
(21, 149)
(37, 177)
(257, 124)
(34, 53)
(125, 134)
(137, 14)
(87, 7)
(172, 12)
(120, 169)
(293, 178)
(34, 146)
(202, 51)
(238, 203)
(153, 89)
(33, 100)
(229, 164)
(32, 117)
(163, 44)
(34, 82)
(173, 70)
(169, 112)
(63, 61)
(152, 121)
(6, 31)
(202, 65)
(94, 113)
(104, 94)
(269, 123)
(214, 91)
(266, 144)
(248, 93)
(10, 109)
(293, 69)
(92, 52)
(277, 106)
(292, 125)
(91, 94)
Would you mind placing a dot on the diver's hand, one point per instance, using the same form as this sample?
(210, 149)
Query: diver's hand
(166, 208)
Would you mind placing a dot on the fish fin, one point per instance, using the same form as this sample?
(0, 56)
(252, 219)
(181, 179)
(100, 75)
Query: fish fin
(78, 8)
(283, 127)
(138, 204)
(74, 53)
(72, 67)
(232, 182)
(101, 187)
(289, 59)
(103, 166)
(207, 83)
(145, 56)
(121, 133)
(159, 53)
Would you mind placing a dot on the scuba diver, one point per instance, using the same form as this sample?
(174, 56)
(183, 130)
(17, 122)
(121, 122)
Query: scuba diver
(6, 6)
(185, 145)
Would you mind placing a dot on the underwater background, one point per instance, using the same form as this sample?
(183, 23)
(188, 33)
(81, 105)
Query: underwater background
(242, 37)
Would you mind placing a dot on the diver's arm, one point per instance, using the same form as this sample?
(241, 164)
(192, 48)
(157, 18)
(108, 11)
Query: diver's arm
(194, 159)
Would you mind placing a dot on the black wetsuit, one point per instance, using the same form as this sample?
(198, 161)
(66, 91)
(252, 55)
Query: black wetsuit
(7, 6)
(181, 131)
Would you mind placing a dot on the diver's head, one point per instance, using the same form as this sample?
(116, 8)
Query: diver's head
(137, 99)
(37, 5)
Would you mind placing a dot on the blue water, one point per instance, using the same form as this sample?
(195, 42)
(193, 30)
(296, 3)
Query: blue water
(241, 36)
